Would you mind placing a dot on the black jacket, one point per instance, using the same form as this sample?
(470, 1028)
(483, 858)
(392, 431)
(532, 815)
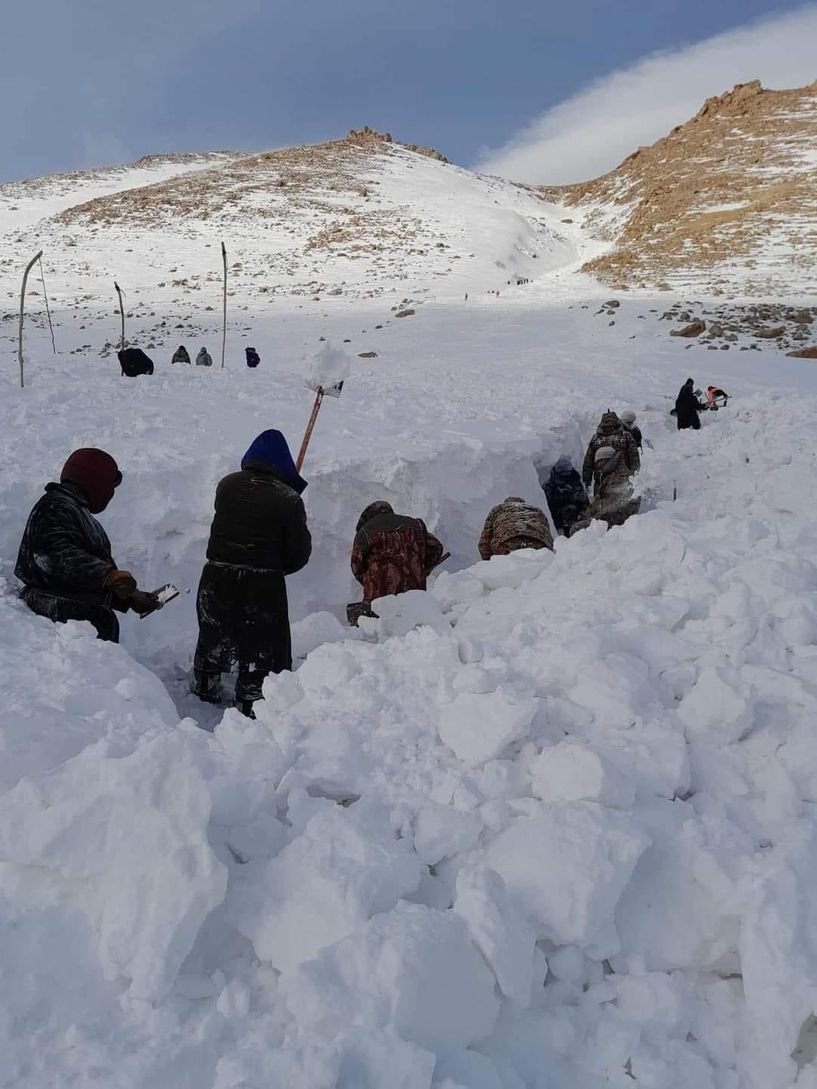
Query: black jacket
(687, 407)
(566, 495)
(260, 522)
(64, 550)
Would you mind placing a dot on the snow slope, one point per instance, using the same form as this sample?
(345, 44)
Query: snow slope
(579, 849)
(342, 220)
(548, 825)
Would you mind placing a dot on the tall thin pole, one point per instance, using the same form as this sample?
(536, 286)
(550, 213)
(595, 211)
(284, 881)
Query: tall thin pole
(224, 329)
(121, 314)
(47, 309)
(29, 267)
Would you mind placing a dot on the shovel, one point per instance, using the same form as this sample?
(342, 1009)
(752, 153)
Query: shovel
(326, 373)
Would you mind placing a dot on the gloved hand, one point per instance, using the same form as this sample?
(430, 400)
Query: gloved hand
(120, 583)
(144, 603)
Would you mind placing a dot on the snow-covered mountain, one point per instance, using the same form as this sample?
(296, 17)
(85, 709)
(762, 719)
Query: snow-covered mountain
(552, 824)
(725, 204)
(360, 218)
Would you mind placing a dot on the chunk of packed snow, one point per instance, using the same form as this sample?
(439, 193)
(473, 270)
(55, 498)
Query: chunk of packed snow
(145, 885)
(399, 614)
(479, 726)
(441, 831)
(572, 771)
(327, 369)
(566, 869)
(413, 969)
(345, 867)
(498, 929)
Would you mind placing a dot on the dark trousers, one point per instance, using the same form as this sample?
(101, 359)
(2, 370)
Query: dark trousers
(60, 609)
(243, 620)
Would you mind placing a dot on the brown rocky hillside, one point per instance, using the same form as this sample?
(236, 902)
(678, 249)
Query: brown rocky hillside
(725, 204)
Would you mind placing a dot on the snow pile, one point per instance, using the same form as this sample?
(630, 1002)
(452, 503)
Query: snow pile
(551, 824)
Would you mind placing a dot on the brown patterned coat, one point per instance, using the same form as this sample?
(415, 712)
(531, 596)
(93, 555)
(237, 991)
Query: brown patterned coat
(512, 525)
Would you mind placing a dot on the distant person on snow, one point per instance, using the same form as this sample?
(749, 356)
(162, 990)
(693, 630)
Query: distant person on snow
(134, 362)
(566, 495)
(716, 398)
(65, 561)
(204, 359)
(610, 432)
(628, 419)
(687, 407)
(258, 536)
(613, 500)
(513, 525)
(392, 553)
(253, 358)
(181, 355)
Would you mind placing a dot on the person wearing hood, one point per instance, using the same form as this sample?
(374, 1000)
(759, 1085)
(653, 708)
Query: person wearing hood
(181, 355)
(566, 495)
(514, 525)
(687, 407)
(613, 500)
(258, 536)
(628, 419)
(253, 358)
(204, 359)
(392, 553)
(610, 432)
(65, 561)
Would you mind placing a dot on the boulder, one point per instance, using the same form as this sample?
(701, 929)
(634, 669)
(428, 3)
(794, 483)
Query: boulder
(694, 329)
(770, 332)
(805, 353)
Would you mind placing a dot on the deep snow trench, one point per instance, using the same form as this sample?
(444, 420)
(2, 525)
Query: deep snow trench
(549, 825)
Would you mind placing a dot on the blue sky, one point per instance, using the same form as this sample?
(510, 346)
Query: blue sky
(87, 82)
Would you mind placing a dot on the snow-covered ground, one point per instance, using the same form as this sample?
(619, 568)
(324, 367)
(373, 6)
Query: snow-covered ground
(547, 826)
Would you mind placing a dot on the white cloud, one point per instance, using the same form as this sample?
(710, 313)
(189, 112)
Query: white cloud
(592, 132)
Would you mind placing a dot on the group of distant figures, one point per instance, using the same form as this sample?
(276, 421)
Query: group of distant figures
(134, 361)
(688, 404)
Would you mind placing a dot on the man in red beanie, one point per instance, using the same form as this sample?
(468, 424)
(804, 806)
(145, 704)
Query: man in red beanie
(65, 561)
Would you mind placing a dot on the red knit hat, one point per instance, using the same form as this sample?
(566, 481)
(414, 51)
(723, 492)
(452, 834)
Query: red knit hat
(95, 473)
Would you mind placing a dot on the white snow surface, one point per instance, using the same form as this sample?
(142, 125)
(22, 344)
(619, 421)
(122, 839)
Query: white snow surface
(550, 825)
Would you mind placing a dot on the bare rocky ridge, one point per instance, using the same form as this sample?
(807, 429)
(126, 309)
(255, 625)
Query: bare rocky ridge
(726, 204)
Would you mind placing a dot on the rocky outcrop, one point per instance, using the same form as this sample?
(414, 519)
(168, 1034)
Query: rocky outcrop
(725, 203)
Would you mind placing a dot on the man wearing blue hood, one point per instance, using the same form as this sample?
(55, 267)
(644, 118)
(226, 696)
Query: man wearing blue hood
(258, 536)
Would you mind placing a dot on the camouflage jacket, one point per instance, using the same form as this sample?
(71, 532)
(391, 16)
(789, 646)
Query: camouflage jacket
(512, 525)
(392, 554)
(613, 500)
(620, 440)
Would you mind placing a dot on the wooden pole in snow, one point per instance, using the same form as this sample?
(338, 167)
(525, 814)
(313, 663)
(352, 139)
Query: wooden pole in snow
(29, 267)
(224, 329)
(47, 309)
(121, 314)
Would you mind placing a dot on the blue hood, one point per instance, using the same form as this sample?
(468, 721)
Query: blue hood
(271, 451)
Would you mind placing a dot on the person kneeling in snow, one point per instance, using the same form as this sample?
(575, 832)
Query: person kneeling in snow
(391, 554)
(258, 536)
(566, 495)
(65, 561)
(512, 525)
(204, 359)
(613, 500)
